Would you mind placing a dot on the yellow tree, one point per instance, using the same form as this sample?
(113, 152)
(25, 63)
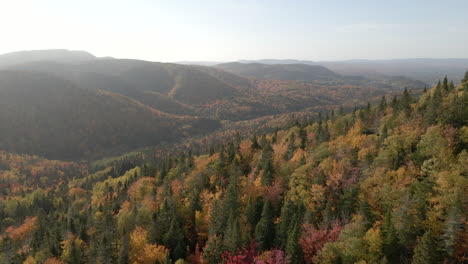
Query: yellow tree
(141, 252)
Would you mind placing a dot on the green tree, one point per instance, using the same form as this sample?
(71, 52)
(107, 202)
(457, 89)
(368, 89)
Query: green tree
(265, 229)
(254, 143)
(232, 237)
(293, 248)
(291, 147)
(427, 250)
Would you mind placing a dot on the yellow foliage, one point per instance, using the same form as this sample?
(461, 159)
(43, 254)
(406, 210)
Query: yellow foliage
(141, 252)
(374, 239)
(30, 260)
(141, 188)
(317, 197)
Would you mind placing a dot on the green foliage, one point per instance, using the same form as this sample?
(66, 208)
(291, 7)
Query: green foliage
(385, 184)
(265, 229)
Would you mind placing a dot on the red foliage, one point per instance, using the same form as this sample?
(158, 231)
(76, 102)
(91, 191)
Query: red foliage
(312, 239)
(274, 193)
(244, 256)
(250, 255)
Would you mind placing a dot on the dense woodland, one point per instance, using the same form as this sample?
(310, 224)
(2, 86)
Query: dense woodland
(385, 183)
(69, 105)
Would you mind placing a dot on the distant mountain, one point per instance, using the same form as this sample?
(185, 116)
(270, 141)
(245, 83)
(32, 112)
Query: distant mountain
(200, 63)
(45, 115)
(425, 70)
(78, 106)
(189, 85)
(57, 55)
(279, 61)
(279, 71)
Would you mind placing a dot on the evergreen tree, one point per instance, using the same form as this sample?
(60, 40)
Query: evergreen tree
(266, 165)
(232, 237)
(383, 104)
(175, 240)
(291, 147)
(427, 250)
(251, 212)
(265, 229)
(275, 136)
(124, 248)
(254, 143)
(406, 102)
(303, 137)
(445, 83)
(391, 246)
(75, 253)
(287, 213)
(293, 248)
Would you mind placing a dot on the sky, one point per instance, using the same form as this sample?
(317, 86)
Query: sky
(228, 30)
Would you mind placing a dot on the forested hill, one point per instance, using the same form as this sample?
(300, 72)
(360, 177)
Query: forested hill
(48, 116)
(383, 184)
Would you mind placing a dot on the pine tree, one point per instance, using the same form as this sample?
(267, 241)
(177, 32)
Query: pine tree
(291, 147)
(232, 237)
(383, 104)
(175, 240)
(251, 212)
(265, 229)
(427, 250)
(275, 136)
(266, 165)
(303, 137)
(287, 213)
(293, 247)
(254, 145)
(124, 248)
(391, 246)
(406, 101)
(395, 104)
(465, 79)
(75, 253)
(445, 83)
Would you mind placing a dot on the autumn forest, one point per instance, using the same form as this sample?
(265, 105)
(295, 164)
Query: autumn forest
(229, 164)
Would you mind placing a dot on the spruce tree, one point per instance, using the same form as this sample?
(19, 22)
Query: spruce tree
(251, 213)
(254, 145)
(427, 250)
(232, 237)
(265, 229)
(391, 246)
(266, 165)
(291, 147)
(445, 83)
(175, 240)
(75, 253)
(124, 249)
(287, 213)
(293, 249)
(383, 104)
(303, 137)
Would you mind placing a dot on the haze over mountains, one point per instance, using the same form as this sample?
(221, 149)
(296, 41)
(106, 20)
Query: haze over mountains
(425, 69)
(71, 104)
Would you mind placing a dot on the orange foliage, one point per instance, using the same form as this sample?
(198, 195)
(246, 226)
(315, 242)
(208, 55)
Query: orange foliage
(23, 231)
(53, 261)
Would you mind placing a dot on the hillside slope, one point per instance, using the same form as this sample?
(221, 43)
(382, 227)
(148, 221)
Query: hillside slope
(383, 184)
(296, 72)
(58, 55)
(44, 115)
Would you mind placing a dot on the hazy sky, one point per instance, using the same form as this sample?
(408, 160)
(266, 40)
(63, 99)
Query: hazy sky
(223, 30)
